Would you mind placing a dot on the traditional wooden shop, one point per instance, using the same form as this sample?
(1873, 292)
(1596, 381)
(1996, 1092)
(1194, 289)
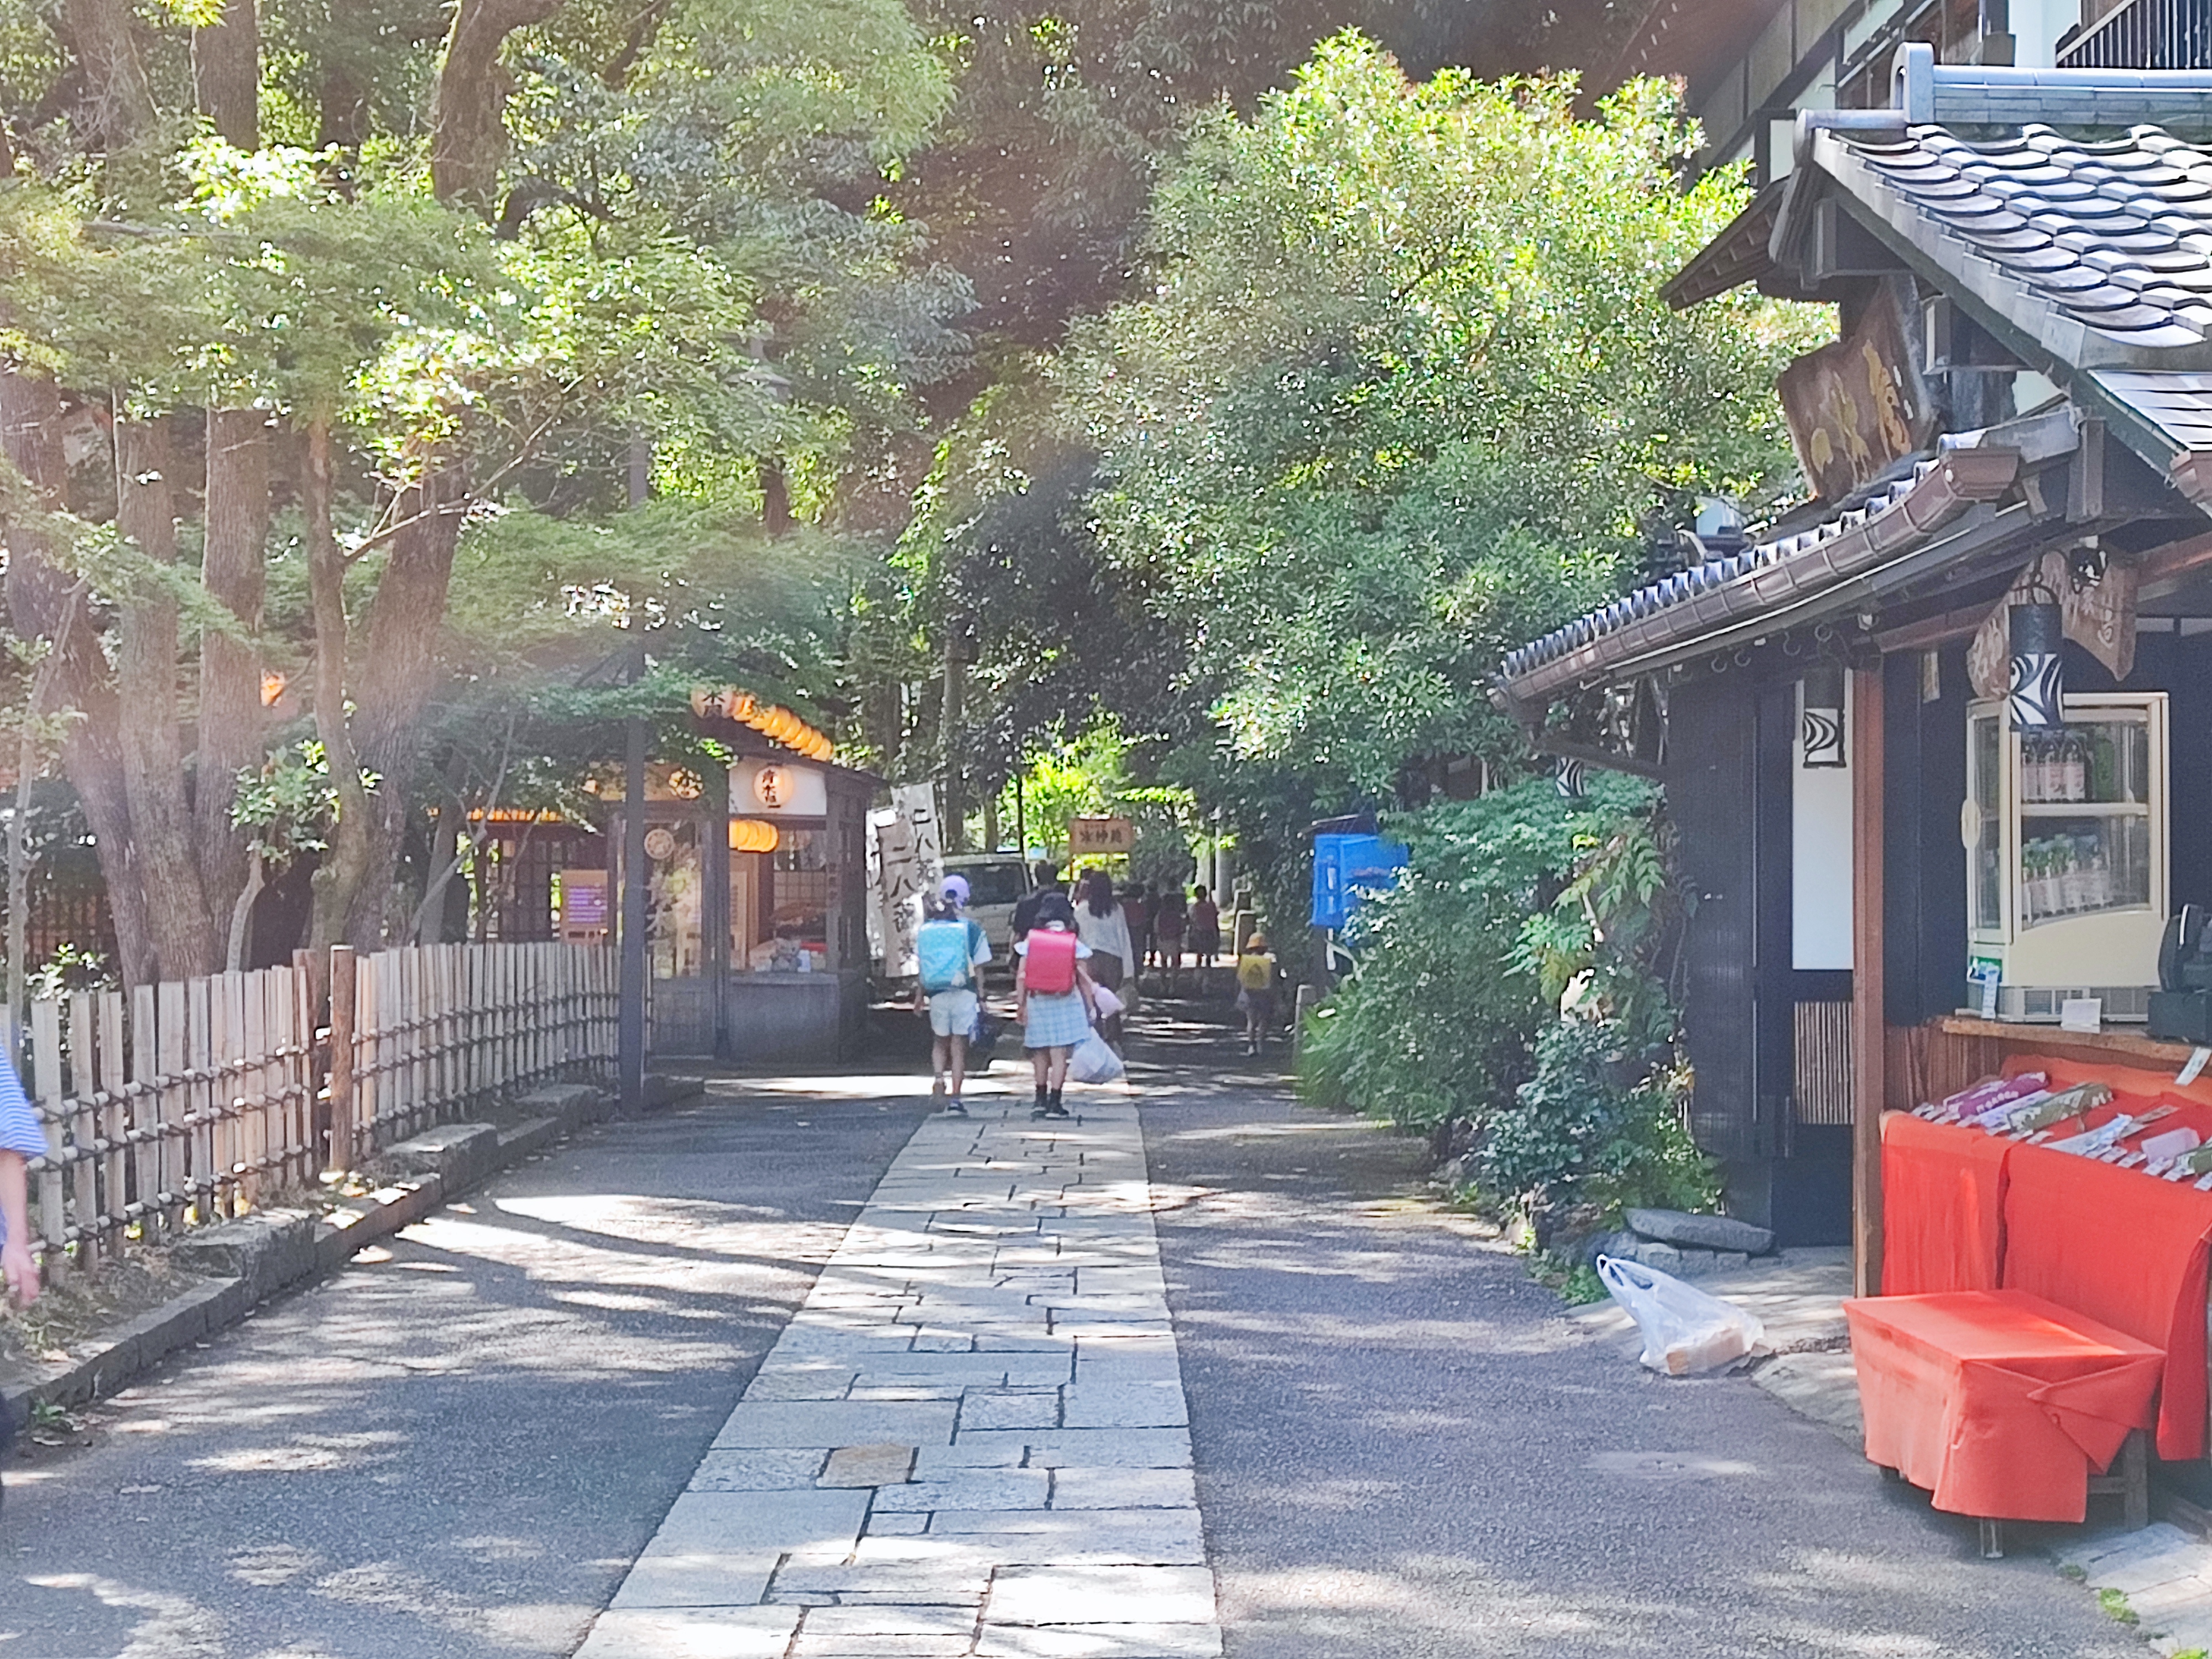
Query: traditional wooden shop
(756, 888)
(1939, 747)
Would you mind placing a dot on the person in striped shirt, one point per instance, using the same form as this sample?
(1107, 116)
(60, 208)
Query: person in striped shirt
(21, 1140)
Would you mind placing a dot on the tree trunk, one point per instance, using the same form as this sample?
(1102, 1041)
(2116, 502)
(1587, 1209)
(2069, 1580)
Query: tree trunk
(38, 602)
(227, 74)
(118, 107)
(469, 140)
(232, 722)
(178, 926)
(227, 86)
(340, 877)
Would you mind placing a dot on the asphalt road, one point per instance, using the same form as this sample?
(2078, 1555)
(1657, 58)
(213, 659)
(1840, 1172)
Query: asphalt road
(1403, 1451)
(454, 1449)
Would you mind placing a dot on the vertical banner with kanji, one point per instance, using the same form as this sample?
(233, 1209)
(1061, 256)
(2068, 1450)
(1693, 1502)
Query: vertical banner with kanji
(907, 855)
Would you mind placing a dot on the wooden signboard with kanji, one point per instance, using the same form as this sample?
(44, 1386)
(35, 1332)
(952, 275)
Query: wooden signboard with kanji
(1099, 837)
(1857, 406)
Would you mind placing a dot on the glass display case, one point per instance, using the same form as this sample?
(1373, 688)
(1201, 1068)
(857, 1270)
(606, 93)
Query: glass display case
(2065, 835)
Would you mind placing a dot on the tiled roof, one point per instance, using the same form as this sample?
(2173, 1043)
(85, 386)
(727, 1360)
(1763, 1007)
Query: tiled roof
(2160, 412)
(2094, 256)
(1892, 518)
(2101, 251)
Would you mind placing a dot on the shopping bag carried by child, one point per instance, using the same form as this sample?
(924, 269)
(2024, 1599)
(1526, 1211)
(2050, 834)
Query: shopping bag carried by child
(1094, 1061)
(1685, 1331)
(983, 1039)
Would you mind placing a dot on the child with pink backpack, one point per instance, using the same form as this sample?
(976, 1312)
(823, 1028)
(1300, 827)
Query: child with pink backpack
(1053, 998)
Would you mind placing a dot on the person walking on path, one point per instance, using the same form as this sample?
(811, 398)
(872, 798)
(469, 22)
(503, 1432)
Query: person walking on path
(950, 949)
(21, 1140)
(1025, 908)
(1255, 992)
(1174, 922)
(1205, 928)
(1104, 926)
(1053, 998)
(1137, 910)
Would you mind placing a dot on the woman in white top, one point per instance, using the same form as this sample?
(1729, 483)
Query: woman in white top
(1101, 924)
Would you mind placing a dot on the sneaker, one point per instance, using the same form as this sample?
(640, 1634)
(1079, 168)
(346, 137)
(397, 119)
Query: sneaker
(937, 1088)
(954, 1109)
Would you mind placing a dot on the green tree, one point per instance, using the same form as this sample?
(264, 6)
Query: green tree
(321, 296)
(1399, 396)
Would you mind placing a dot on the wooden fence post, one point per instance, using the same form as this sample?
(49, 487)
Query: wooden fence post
(114, 1120)
(176, 1102)
(46, 1058)
(84, 1130)
(334, 1111)
(145, 1112)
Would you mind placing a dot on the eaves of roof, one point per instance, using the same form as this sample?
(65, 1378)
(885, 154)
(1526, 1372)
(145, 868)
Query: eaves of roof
(1739, 254)
(1690, 611)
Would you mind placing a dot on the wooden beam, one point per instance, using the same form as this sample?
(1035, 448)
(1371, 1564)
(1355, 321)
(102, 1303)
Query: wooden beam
(1868, 1024)
(2175, 560)
(1961, 624)
(1606, 760)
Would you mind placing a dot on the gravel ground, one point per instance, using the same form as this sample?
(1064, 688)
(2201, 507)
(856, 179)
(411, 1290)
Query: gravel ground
(456, 1446)
(1403, 1449)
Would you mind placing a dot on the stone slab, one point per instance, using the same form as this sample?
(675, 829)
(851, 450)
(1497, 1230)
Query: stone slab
(1101, 1594)
(719, 1549)
(1702, 1232)
(719, 1633)
(831, 1423)
(1099, 1642)
(886, 1464)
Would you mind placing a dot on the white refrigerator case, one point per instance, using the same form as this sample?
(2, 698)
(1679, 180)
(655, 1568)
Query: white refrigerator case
(2066, 852)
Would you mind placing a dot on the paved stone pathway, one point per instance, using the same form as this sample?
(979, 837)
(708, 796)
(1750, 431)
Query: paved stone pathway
(971, 1440)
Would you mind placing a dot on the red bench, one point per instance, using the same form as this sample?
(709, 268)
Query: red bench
(2041, 1312)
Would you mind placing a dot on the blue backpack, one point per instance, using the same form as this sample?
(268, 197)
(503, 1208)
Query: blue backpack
(946, 954)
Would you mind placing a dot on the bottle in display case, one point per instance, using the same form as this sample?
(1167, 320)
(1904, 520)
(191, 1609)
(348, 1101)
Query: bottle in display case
(2065, 834)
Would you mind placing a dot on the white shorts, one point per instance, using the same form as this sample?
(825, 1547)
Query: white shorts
(953, 1013)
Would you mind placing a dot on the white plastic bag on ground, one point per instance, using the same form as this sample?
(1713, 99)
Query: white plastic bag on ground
(1094, 1062)
(1685, 1331)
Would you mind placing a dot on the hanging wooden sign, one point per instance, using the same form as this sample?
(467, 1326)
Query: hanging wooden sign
(1856, 405)
(2100, 618)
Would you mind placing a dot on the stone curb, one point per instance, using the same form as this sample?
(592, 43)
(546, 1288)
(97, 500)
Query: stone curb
(258, 1256)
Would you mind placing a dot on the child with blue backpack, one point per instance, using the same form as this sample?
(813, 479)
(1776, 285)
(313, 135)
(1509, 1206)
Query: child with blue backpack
(950, 949)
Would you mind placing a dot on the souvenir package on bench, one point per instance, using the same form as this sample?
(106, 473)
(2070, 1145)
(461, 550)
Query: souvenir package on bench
(1986, 1096)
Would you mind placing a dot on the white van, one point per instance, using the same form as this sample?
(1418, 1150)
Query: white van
(996, 883)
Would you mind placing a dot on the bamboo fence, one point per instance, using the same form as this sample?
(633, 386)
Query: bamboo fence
(184, 1104)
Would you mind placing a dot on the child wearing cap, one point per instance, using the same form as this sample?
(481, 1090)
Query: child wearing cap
(1255, 991)
(950, 949)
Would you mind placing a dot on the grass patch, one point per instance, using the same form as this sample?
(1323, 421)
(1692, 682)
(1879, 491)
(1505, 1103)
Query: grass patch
(2077, 1575)
(2115, 1604)
(1576, 1282)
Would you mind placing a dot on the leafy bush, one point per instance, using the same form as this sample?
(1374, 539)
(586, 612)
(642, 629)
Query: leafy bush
(1515, 982)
